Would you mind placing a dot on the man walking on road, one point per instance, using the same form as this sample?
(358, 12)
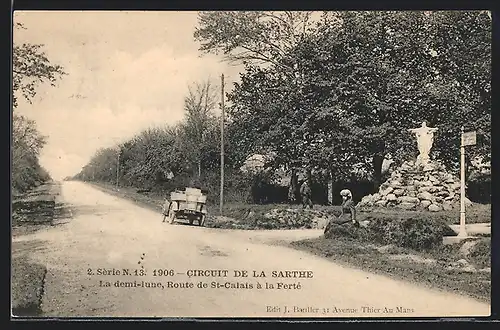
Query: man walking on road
(305, 193)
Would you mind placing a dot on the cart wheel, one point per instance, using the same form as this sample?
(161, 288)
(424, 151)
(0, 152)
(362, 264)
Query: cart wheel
(167, 211)
(171, 217)
(201, 221)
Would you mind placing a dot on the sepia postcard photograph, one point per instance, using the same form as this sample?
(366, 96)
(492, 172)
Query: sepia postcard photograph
(251, 164)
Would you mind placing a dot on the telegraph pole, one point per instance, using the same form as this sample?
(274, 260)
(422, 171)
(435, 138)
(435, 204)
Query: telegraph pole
(118, 168)
(222, 147)
(463, 232)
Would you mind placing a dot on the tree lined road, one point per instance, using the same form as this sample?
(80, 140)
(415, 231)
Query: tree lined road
(106, 232)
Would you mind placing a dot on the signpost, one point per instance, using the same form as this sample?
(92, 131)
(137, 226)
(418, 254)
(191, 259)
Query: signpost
(467, 139)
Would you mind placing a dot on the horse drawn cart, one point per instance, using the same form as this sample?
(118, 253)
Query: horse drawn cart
(187, 205)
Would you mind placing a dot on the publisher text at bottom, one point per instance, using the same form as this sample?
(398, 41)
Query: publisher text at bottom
(363, 310)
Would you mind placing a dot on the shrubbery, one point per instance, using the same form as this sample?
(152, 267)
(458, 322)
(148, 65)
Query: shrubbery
(347, 230)
(480, 253)
(27, 142)
(479, 188)
(417, 233)
(414, 233)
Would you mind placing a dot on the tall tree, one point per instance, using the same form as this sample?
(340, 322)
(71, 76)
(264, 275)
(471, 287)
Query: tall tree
(27, 142)
(253, 37)
(364, 80)
(200, 120)
(30, 66)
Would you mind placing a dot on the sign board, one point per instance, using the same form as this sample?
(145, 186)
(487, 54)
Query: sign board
(469, 139)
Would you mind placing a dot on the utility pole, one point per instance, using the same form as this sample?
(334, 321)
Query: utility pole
(463, 232)
(118, 168)
(222, 147)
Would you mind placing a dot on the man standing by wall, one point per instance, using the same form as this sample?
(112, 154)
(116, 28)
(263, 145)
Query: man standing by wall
(305, 193)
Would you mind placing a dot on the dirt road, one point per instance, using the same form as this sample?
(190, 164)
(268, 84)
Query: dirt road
(107, 234)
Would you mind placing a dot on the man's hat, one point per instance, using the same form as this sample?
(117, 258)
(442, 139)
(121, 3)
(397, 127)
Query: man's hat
(346, 192)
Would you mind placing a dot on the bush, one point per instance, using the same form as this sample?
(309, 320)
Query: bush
(417, 233)
(480, 254)
(414, 233)
(479, 188)
(347, 230)
(27, 286)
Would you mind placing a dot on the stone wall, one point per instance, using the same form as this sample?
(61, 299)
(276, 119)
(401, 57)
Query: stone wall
(417, 187)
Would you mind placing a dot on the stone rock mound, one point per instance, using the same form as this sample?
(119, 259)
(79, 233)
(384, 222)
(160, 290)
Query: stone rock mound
(416, 187)
(298, 218)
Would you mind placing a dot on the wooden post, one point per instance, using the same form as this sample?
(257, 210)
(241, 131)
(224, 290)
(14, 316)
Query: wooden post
(462, 232)
(222, 147)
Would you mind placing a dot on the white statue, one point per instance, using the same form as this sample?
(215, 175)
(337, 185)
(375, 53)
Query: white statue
(425, 138)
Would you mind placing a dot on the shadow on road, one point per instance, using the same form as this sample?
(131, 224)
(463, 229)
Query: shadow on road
(98, 210)
(179, 223)
(28, 247)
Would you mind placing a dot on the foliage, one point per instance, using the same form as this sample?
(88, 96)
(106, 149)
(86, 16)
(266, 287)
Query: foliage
(416, 234)
(145, 160)
(326, 95)
(200, 127)
(368, 258)
(30, 66)
(27, 143)
(252, 36)
(479, 188)
(360, 83)
(263, 191)
(347, 231)
(480, 253)
(166, 158)
(27, 283)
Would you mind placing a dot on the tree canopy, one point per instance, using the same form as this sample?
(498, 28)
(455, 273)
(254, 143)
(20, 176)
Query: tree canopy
(361, 83)
(30, 67)
(331, 93)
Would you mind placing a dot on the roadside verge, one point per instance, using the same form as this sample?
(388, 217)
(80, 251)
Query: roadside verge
(31, 212)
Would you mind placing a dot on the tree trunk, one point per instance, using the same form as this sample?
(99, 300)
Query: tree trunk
(293, 187)
(330, 189)
(309, 175)
(199, 168)
(378, 159)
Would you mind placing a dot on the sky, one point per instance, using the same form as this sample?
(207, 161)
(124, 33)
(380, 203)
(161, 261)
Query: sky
(126, 71)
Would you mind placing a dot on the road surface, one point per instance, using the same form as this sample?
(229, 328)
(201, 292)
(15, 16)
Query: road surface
(107, 234)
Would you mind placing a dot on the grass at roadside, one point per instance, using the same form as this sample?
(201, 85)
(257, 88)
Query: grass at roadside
(236, 215)
(35, 209)
(477, 213)
(433, 269)
(32, 211)
(151, 201)
(252, 216)
(27, 286)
